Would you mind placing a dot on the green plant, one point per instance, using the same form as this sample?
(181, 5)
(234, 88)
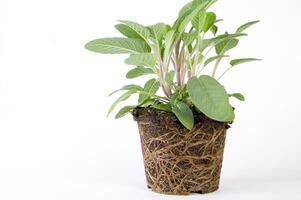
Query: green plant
(177, 55)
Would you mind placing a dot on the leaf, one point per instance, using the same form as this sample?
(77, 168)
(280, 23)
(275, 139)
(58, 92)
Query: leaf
(138, 28)
(128, 87)
(226, 45)
(123, 97)
(143, 59)
(188, 38)
(242, 60)
(210, 97)
(169, 39)
(159, 31)
(127, 31)
(209, 22)
(162, 106)
(170, 77)
(118, 46)
(184, 114)
(245, 26)
(209, 60)
(214, 29)
(139, 71)
(198, 21)
(124, 111)
(238, 96)
(185, 9)
(150, 88)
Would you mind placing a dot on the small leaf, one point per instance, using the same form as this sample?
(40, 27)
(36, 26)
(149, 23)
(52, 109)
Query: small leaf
(138, 28)
(123, 97)
(209, 60)
(184, 114)
(242, 60)
(128, 87)
(245, 26)
(150, 88)
(199, 21)
(118, 46)
(214, 29)
(124, 111)
(144, 59)
(170, 77)
(226, 45)
(139, 71)
(127, 31)
(169, 40)
(209, 22)
(238, 96)
(159, 31)
(211, 98)
(162, 106)
(188, 38)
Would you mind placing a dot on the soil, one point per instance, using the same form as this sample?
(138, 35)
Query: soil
(179, 161)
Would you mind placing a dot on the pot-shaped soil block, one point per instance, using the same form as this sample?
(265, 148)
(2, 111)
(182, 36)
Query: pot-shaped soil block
(178, 161)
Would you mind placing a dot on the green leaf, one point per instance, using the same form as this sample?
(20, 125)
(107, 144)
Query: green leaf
(210, 97)
(209, 60)
(226, 45)
(188, 38)
(127, 31)
(162, 106)
(184, 114)
(242, 60)
(124, 111)
(143, 59)
(159, 31)
(128, 87)
(170, 77)
(245, 26)
(209, 22)
(123, 97)
(150, 88)
(214, 29)
(238, 96)
(118, 46)
(169, 40)
(198, 21)
(139, 71)
(186, 8)
(138, 28)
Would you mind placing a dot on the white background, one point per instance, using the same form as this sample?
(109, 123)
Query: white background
(56, 142)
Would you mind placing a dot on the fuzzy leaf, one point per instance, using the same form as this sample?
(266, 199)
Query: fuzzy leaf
(159, 31)
(188, 38)
(124, 111)
(242, 60)
(123, 97)
(138, 28)
(162, 106)
(245, 26)
(143, 59)
(127, 31)
(139, 71)
(118, 46)
(184, 114)
(214, 29)
(128, 87)
(226, 45)
(169, 40)
(150, 88)
(198, 21)
(209, 22)
(210, 97)
(209, 60)
(238, 96)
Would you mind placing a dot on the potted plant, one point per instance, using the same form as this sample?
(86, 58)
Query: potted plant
(182, 131)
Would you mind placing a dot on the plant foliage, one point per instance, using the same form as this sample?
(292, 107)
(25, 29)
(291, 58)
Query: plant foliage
(176, 56)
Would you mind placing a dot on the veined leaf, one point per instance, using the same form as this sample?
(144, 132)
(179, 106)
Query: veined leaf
(118, 46)
(210, 98)
(242, 60)
(128, 87)
(238, 96)
(214, 29)
(144, 59)
(139, 71)
(209, 60)
(184, 114)
(159, 31)
(150, 88)
(226, 45)
(245, 26)
(209, 22)
(162, 106)
(169, 40)
(123, 97)
(199, 20)
(188, 38)
(124, 111)
(170, 77)
(185, 9)
(127, 31)
(138, 28)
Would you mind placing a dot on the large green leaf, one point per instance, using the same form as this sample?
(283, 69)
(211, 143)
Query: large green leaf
(199, 20)
(143, 59)
(209, 22)
(226, 45)
(124, 111)
(211, 59)
(139, 71)
(127, 31)
(188, 38)
(210, 98)
(118, 46)
(242, 60)
(159, 31)
(123, 97)
(242, 28)
(138, 28)
(150, 88)
(128, 87)
(183, 113)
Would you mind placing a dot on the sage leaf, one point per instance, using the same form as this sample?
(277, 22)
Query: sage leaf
(150, 88)
(128, 87)
(184, 114)
(124, 111)
(243, 27)
(211, 59)
(238, 96)
(144, 59)
(138, 28)
(170, 77)
(139, 71)
(122, 98)
(127, 31)
(242, 60)
(209, 22)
